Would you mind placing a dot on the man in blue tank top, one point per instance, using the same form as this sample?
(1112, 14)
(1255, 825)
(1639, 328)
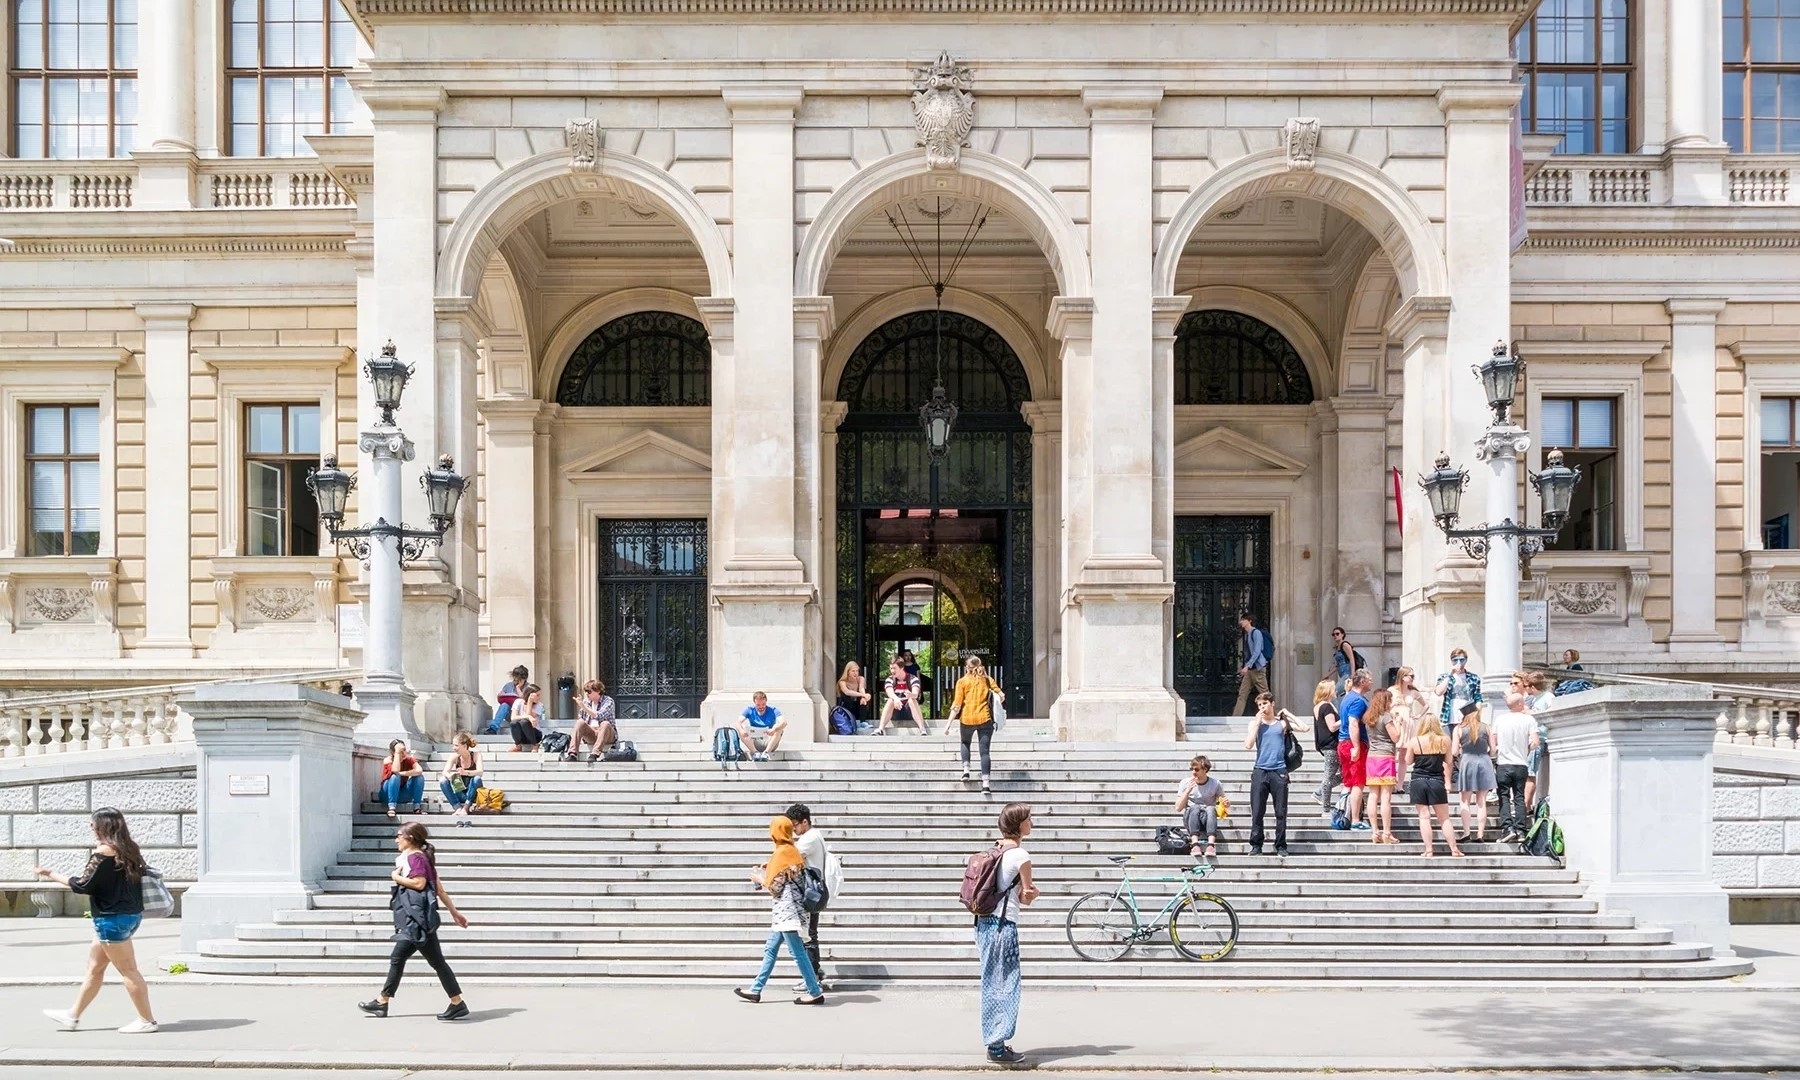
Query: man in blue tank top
(1269, 779)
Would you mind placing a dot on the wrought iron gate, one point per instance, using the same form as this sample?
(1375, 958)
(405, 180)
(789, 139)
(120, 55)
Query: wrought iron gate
(653, 616)
(1221, 570)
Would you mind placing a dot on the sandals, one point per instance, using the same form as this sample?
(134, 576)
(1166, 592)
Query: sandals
(1212, 851)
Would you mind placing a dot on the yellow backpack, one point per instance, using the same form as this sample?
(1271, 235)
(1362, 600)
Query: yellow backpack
(489, 800)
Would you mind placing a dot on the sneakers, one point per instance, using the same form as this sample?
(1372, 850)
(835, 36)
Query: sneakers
(1361, 826)
(457, 1010)
(1281, 852)
(373, 1007)
(65, 1021)
(986, 788)
(139, 1027)
(1254, 851)
(1004, 1055)
(759, 756)
(965, 777)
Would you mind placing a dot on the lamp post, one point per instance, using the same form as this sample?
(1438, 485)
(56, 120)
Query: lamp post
(386, 545)
(1501, 446)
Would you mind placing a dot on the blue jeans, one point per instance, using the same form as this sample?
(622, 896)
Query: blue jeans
(399, 790)
(116, 928)
(998, 940)
(796, 949)
(468, 793)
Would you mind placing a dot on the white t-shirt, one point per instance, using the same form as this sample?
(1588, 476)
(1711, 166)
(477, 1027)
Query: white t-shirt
(812, 848)
(1512, 737)
(1015, 859)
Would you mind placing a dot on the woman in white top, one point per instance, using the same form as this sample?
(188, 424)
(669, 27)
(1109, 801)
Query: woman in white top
(997, 935)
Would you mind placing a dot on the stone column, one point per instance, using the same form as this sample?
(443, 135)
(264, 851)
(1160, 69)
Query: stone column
(760, 586)
(1356, 574)
(1694, 450)
(831, 416)
(168, 484)
(1440, 589)
(1166, 313)
(165, 132)
(276, 797)
(1634, 782)
(814, 319)
(1045, 418)
(512, 542)
(1694, 150)
(1478, 247)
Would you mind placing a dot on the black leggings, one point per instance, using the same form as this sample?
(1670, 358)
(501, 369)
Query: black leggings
(433, 954)
(526, 734)
(986, 734)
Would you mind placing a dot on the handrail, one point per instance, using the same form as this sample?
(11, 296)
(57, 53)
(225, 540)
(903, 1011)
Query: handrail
(1716, 689)
(1754, 716)
(82, 697)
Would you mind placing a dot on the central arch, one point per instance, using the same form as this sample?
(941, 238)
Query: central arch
(963, 522)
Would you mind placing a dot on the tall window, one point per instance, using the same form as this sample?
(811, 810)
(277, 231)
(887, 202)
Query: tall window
(1762, 76)
(1780, 473)
(62, 459)
(1575, 57)
(1228, 358)
(74, 78)
(280, 516)
(286, 66)
(1585, 430)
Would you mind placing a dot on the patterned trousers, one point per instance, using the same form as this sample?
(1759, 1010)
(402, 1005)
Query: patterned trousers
(999, 943)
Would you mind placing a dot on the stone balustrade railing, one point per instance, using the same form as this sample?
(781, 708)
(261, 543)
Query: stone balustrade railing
(1643, 180)
(129, 716)
(220, 184)
(1748, 715)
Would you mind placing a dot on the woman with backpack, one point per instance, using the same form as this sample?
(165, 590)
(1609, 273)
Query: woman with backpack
(780, 878)
(973, 707)
(997, 935)
(414, 901)
(113, 882)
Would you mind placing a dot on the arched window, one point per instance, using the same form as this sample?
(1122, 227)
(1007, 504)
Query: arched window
(645, 358)
(1228, 358)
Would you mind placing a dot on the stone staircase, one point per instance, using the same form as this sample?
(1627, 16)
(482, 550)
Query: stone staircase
(639, 871)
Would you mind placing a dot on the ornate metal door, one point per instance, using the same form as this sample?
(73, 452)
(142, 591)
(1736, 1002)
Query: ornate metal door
(653, 616)
(1221, 570)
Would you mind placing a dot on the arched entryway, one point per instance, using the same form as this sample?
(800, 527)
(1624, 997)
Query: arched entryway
(935, 556)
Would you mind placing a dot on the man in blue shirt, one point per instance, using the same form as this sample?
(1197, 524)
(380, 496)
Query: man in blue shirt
(1253, 677)
(1353, 743)
(761, 719)
(1269, 779)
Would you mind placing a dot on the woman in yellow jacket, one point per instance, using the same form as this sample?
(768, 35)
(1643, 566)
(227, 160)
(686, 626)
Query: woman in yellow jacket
(973, 707)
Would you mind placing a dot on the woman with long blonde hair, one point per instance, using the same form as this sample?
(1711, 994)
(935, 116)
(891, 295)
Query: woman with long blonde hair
(1383, 770)
(1429, 751)
(1325, 739)
(973, 708)
(1409, 697)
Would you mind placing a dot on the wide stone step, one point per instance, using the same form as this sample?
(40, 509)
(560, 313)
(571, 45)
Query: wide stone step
(877, 852)
(873, 863)
(906, 891)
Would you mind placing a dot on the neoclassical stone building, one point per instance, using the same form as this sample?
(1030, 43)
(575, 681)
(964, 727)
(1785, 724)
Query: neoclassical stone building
(1203, 280)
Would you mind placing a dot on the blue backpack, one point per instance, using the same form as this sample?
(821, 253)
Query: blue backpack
(842, 723)
(728, 749)
(1268, 648)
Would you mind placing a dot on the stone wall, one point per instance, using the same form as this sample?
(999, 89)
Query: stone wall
(45, 808)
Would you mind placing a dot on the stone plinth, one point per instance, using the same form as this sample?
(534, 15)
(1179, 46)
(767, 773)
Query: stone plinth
(1633, 793)
(276, 796)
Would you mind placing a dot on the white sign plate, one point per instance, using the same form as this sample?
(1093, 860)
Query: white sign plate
(1534, 622)
(350, 626)
(247, 785)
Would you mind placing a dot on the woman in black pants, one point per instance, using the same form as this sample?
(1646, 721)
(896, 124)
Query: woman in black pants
(417, 893)
(528, 719)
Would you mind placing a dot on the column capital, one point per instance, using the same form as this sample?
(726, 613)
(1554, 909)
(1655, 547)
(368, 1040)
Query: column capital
(1499, 443)
(459, 312)
(1166, 313)
(815, 317)
(510, 416)
(161, 315)
(719, 313)
(1122, 104)
(757, 103)
(1479, 102)
(401, 103)
(831, 415)
(1359, 413)
(1418, 318)
(1694, 310)
(1071, 316)
(1045, 417)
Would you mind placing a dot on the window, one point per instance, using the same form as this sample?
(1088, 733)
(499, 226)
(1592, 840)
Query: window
(645, 358)
(1584, 429)
(62, 458)
(1228, 358)
(286, 67)
(1762, 76)
(1780, 473)
(74, 78)
(281, 444)
(1575, 58)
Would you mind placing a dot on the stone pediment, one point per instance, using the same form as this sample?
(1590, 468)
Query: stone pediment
(1222, 452)
(646, 454)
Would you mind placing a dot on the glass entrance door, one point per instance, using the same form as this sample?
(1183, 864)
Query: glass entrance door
(653, 616)
(1222, 568)
(935, 592)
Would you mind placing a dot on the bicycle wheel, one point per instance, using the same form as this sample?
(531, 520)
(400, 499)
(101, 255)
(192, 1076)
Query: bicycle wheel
(1204, 927)
(1102, 927)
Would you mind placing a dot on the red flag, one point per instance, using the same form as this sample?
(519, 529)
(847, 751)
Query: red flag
(1399, 507)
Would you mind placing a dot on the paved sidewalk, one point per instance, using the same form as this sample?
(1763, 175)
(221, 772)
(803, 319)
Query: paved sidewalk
(313, 1026)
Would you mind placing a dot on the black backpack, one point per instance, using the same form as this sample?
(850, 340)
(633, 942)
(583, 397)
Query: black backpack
(557, 742)
(815, 895)
(620, 751)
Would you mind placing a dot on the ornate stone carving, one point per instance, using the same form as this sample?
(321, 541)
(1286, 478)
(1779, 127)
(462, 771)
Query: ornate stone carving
(9, 617)
(58, 603)
(943, 111)
(583, 136)
(225, 595)
(1782, 598)
(1301, 137)
(278, 603)
(1501, 442)
(102, 586)
(1585, 597)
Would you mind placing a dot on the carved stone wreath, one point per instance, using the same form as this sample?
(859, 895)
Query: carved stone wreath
(278, 603)
(1586, 597)
(59, 603)
(1783, 596)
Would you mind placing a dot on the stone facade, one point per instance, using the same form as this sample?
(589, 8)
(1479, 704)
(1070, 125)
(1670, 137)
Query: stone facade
(520, 183)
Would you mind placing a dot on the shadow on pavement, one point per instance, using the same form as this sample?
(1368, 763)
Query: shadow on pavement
(211, 1024)
(1040, 1055)
(476, 1016)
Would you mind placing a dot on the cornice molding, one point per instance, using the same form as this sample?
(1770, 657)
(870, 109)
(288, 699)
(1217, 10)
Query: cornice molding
(1631, 352)
(1671, 240)
(64, 358)
(322, 358)
(175, 245)
(376, 9)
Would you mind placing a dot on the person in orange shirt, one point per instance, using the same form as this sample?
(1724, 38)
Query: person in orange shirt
(973, 707)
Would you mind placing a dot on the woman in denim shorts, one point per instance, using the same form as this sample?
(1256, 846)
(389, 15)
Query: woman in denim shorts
(113, 882)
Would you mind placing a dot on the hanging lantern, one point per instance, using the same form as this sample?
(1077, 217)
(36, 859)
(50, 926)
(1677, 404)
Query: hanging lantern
(443, 490)
(330, 487)
(1500, 380)
(1443, 488)
(388, 376)
(938, 417)
(1556, 486)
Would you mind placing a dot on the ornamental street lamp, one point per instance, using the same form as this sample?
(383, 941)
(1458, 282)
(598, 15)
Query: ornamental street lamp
(1501, 446)
(386, 545)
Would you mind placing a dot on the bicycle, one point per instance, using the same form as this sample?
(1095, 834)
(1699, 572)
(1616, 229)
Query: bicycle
(1104, 926)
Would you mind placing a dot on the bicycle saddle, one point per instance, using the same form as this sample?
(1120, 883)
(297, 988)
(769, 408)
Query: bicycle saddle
(1119, 860)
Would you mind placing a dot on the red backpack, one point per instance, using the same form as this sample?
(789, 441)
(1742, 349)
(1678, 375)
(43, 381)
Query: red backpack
(981, 891)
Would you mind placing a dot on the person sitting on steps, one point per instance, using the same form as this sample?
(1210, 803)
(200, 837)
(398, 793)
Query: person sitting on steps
(1198, 800)
(528, 720)
(764, 719)
(402, 779)
(462, 776)
(902, 689)
(595, 721)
